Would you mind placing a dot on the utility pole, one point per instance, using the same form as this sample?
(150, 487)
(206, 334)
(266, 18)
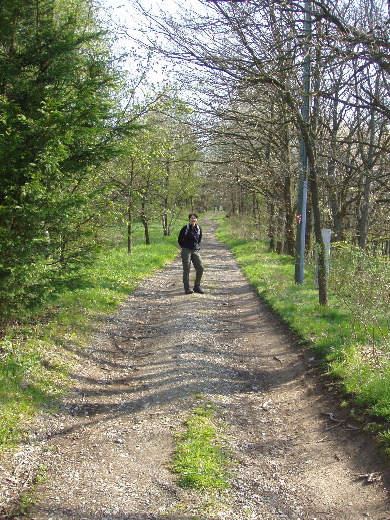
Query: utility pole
(303, 171)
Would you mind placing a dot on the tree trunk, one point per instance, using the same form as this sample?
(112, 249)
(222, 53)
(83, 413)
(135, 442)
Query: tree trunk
(320, 246)
(367, 181)
(165, 198)
(271, 225)
(129, 230)
(130, 207)
(313, 186)
(165, 224)
(145, 223)
(289, 217)
(281, 221)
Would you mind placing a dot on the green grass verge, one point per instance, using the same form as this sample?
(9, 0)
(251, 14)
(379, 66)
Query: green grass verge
(199, 459)
(36, 351)
(350, 336)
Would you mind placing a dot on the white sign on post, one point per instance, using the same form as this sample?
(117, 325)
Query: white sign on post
(326, 233)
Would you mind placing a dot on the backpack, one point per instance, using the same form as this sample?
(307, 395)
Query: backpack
(188, 227)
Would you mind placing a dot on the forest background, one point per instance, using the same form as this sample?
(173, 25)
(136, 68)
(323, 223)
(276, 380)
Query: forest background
(257, 101)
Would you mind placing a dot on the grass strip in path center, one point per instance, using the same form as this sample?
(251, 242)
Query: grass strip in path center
(199, 458)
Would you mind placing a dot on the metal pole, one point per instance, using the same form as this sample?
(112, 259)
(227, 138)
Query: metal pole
(303, 171)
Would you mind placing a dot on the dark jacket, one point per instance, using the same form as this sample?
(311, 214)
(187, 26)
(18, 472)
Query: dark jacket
(190, 237)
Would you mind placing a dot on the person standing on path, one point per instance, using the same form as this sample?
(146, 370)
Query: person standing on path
(189, 239)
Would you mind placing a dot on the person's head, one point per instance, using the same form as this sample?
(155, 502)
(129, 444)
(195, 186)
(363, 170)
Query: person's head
(192, 217)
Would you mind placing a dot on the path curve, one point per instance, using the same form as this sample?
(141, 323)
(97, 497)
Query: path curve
(107, 452)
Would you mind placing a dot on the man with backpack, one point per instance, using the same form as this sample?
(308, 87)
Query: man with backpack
(189, 239)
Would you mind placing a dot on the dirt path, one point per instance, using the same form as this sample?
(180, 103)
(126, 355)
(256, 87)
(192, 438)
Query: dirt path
(107, 453)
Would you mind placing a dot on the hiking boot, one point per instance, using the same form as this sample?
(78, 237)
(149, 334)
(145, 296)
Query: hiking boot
(198, 289)
(187, 289)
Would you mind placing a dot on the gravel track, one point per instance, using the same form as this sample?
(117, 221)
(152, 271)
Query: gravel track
(295, 453)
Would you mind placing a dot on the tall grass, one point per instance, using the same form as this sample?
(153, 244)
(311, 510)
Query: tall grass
(351, 335)
(33, 361)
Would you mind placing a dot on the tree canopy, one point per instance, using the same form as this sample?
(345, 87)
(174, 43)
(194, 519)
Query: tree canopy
(229, 131)
(59, 123)
(248, 61)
